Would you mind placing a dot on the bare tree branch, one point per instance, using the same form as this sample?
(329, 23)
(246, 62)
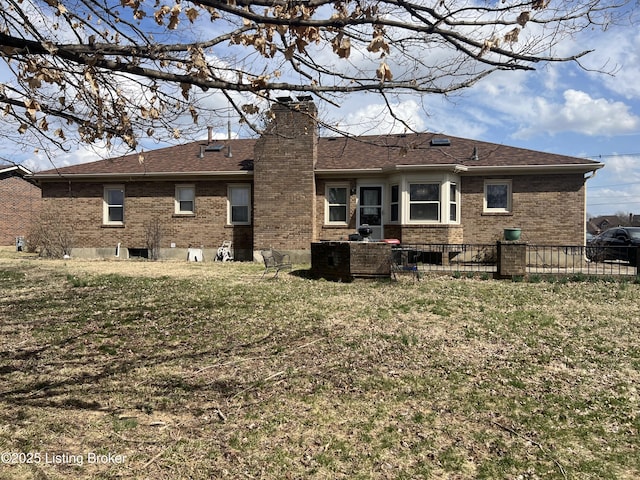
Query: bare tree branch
(104, 70)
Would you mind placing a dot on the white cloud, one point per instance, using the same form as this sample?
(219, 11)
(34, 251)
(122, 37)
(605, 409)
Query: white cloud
(618, 51)
(580, 113)
(375, 118)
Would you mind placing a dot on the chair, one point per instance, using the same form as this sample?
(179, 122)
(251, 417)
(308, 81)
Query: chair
(276, 260)
(404, 261)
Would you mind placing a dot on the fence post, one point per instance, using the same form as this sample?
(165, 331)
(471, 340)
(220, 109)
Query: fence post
(512, 259)
(637, 262)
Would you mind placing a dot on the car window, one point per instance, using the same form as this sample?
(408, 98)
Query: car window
(609, 234)
(635, 233)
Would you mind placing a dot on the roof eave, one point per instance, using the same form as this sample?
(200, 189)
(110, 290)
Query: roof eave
(137, 176)
(524, 169)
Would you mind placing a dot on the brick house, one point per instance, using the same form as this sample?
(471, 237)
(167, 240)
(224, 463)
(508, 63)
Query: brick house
(290, 188)
(20, 200)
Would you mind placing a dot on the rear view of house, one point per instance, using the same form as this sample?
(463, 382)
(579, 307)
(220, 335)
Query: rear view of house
(290, 188)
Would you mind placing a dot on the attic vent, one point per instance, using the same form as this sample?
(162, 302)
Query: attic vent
(214, 148)
(440, 142)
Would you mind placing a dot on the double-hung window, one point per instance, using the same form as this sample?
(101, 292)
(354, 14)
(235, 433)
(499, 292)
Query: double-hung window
(113, 205)
(394, 215)
(185, 201)
(453, 202)
(337, 204)
(497, 196)
(239, 205)
(424, 202)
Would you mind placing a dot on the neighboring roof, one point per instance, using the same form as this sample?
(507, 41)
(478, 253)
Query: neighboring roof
(335, 155)
(16, 171)
(19, 169)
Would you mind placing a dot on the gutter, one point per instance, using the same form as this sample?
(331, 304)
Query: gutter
(147, 175)
(522, 169)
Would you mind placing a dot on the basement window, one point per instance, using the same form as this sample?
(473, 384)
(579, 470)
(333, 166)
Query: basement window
(138, 252)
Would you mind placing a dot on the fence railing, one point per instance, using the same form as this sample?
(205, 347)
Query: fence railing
(540, 259)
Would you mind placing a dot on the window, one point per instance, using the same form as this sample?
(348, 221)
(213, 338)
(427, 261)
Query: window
(395, 203)
(424, 202)
(113, 213)
(453, 202)
(497, 196)
(337, 204)
(239, 205)
(185, 199)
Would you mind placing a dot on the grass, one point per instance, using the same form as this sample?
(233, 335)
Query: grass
(205, 371)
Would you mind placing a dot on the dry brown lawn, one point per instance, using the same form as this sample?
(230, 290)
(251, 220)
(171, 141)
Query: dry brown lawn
(175, 370)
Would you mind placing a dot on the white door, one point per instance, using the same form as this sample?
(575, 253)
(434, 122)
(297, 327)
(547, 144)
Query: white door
(370, 209)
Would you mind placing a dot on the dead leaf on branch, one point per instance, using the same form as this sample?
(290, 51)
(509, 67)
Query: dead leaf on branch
(512, 36)
(341, 45)
(186, 87)
(194, 114)
(192, 14)
(250, 109)
(523, 18)
(384, 73)
(489, 44)
(175, 19)
(260, 82)
(378, 43)
(539, 4)
(32, 107)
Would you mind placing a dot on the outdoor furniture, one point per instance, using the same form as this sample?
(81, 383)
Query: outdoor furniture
(405, 261)
(275, 260)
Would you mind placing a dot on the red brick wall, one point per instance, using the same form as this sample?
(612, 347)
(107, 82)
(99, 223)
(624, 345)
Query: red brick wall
(284, 180)
(145, 201)
(549, 209)
(20, 202)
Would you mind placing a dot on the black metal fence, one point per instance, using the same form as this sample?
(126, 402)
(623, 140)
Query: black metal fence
(540, 259)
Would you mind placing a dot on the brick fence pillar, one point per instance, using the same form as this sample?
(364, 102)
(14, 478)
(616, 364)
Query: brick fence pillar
(512, 259)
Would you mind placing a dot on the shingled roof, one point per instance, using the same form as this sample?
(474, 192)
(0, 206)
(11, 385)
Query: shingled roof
(335, 155)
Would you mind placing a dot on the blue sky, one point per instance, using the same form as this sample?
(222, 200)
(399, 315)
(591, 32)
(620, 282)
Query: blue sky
(558, 108)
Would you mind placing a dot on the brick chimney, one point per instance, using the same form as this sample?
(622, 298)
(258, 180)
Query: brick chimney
(284, 180)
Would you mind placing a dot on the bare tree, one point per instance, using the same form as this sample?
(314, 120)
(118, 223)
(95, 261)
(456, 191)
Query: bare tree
(51, 234)
(106, 70)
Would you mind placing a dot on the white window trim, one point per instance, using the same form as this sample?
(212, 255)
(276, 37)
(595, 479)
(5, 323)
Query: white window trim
(105, 204)
(445, 181)
(408, 203)
(246, 186)
(177, 210)
(509, 206)
(327, 205)
(455, 201)
(398, 185)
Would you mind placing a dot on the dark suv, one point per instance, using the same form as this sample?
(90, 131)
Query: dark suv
(619, 243)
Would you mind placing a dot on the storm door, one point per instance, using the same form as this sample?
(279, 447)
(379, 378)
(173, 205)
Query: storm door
(370, 209)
